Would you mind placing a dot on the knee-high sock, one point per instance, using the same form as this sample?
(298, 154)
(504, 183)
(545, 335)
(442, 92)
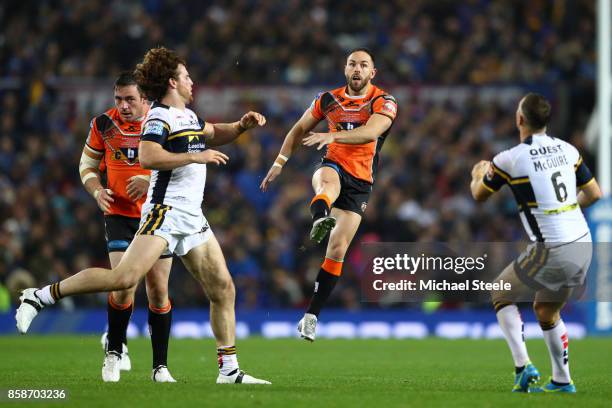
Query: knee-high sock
(160, 320)
(555, 336)
(326, 281)
(511, 325)
(118, 320)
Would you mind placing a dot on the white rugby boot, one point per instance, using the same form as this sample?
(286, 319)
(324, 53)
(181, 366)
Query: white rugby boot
(126, 363)
(162, 374)
(308, 327)
(239, 377)
(111, 369)
(28, 309)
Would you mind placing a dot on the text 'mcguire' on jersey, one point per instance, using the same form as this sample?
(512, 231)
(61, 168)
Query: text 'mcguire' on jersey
(544, 174)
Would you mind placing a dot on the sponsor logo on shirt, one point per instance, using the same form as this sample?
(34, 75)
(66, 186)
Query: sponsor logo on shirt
(153, 127)
(390, 107)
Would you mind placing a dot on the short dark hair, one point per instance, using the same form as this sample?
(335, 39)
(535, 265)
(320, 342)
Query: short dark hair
(362, 49)
(126, 78)
(536, 111)
(157, 67)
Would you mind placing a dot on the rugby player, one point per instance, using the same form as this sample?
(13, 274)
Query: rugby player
(113, 141)
(175, 145)
(551, 183)
(359, 116)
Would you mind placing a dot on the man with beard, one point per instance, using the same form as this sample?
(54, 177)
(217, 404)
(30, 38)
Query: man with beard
(113, 141)
(551, 184)
(359, 117)
(175, 144)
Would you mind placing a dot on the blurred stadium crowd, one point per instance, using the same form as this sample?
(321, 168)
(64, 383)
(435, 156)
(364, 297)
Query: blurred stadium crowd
(298, 42)
(50, 228)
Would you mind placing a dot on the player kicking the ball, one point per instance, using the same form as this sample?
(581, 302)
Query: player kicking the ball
(359, 117)
(550, 183)
(174, 143)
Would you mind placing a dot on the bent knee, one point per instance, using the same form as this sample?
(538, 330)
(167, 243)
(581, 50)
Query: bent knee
(547, 314)
(123, 284)
(126, 278)
(337, 250)
(157, 294)
(122, 297)
(498, 301)
(336, 253)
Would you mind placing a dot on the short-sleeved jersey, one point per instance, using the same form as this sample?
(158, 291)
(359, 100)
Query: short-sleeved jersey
(346, 112)
(178, 131)
(544, 174)
(118, 142)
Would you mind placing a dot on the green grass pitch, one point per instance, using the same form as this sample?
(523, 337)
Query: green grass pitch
(327, 373)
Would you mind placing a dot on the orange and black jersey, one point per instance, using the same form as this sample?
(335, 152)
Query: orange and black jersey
(117, 142)
(346, 112)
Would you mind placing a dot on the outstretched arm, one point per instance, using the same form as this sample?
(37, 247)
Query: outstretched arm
(219, 134)
(306, 123)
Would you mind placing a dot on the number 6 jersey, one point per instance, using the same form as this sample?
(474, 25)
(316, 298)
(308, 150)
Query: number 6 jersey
(544, 174)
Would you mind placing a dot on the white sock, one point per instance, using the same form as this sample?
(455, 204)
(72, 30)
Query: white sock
(44, 295)
(227, 359)
(557, 341)
(511, 324)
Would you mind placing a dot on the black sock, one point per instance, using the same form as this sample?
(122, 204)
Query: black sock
(324, 285)
(558, 384)
(118, 320)
(159, 327)
(518, 370)
(319, 208)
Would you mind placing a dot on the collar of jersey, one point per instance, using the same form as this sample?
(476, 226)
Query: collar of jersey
(529, 139)
(346, 95)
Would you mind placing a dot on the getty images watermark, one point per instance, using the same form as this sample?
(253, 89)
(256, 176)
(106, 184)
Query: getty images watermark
(407, 264)
(471, 272)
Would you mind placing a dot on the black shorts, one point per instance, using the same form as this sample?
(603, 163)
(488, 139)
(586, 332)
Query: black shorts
(354, 193)
(120, 231)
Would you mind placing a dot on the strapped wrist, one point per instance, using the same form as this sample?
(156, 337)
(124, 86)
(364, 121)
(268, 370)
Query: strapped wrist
(89, 174)
(280, 160)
